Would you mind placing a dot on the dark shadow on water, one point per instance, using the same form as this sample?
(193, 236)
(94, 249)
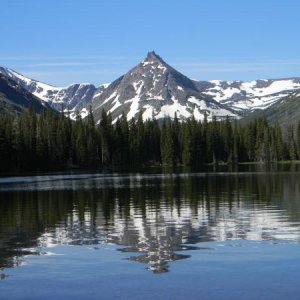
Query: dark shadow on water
(3, 276)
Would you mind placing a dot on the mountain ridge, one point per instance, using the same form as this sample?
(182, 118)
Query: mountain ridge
(14, 99)
(72, 97)
(285, 112)
(157, 89)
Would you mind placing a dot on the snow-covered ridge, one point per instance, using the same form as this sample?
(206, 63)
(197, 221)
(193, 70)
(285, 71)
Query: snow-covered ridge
(155, 89)
(251, 95)
(73, 97)
(37, 88)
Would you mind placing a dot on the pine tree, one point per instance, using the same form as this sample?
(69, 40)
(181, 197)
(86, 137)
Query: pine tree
(106, 133)
(167, 144)
(80, 143)
(187, 155)
(298, 138)
(91, 140)
(292, 143)
(227, 140)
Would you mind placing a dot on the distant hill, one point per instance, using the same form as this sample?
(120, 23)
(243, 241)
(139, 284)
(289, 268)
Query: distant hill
(285, 112)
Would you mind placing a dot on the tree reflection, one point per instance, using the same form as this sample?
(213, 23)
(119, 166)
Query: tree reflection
(156, 218)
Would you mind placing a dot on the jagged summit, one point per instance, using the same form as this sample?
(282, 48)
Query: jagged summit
(153, 88)
(153, 57)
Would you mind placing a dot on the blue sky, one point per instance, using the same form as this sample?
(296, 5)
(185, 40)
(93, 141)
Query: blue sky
(66, 41)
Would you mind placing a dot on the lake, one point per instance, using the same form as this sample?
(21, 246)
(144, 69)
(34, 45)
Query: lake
(181, 235)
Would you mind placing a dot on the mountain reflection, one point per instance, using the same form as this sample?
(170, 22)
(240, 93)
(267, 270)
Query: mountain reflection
(155, 219)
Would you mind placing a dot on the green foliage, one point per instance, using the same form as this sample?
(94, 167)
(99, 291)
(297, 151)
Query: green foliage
(52, 141)
(167, 143)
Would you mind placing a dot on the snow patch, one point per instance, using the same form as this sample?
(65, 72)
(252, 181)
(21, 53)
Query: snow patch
(251, 95)
(202, 105)
(148, 113)
(169, 110)
(134, 107)
(117, 104)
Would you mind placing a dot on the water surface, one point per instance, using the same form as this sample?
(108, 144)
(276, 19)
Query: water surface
(213, 235)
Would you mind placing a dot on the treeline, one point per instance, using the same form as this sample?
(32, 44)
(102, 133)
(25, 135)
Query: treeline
(52, 141)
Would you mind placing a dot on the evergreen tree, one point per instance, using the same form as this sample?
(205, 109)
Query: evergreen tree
(106, 133)
(292, 144)
(51, 140)
(91, 140)
(167, 144)
(187, 155)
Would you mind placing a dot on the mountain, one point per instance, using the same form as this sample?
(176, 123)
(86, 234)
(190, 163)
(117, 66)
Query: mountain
(248, 96)
(73, 97)
(153, 88)
(14, 99)
(286, 111)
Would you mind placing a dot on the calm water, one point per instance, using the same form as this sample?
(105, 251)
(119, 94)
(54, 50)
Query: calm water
(221, 235)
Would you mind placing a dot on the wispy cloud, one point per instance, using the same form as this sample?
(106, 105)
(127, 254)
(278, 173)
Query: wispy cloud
(235, 67)
(24, 58)
(94, 72)
(190, 66)
(66, 64)
(66, 77)
(63, 70)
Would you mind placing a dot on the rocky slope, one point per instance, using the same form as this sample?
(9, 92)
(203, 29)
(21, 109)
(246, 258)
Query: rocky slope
(285, 112)
(73, 97)
(13, 98)
(155, 89)
(248, 96)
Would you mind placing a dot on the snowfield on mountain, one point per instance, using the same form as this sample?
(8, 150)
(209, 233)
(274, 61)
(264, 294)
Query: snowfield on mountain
(155, 89)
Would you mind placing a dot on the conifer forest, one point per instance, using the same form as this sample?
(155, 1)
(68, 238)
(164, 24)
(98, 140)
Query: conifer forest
(34, 141)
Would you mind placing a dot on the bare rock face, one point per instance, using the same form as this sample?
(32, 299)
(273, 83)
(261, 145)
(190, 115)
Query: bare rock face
(155, 89)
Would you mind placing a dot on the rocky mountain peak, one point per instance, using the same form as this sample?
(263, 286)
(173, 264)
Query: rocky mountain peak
(155, 89)
(152, 57)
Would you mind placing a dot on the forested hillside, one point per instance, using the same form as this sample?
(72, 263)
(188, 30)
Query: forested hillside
(52, 141)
